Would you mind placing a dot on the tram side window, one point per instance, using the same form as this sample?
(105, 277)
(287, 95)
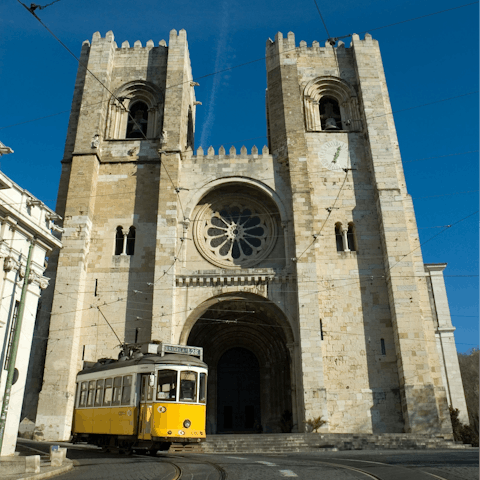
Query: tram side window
(107, 393)
(117, 390)
(166, 385)
(202, 389)
(188, 381)
(91, 393)
(83, 394)
(99, 393)
(127, 388)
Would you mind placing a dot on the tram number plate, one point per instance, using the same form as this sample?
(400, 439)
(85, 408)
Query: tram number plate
(184, 350)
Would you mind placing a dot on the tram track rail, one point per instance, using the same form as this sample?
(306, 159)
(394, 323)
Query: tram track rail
(179, 471)
(223, 474)
(359, 470)
(383, 476)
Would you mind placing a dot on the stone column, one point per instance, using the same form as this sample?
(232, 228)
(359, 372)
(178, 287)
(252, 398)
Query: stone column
(445, 340)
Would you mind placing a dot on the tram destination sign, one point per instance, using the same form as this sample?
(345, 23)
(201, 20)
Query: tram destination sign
(182, 349)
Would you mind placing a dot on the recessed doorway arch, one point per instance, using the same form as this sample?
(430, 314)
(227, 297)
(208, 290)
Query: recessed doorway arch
(249, 328)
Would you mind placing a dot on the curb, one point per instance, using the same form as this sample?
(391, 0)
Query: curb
(51, 473)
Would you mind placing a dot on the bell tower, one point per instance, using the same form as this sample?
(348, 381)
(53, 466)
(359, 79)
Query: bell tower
(355, 236)
(133, 113)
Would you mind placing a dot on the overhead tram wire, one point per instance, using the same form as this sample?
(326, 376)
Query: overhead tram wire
(447, 227)
(330, 210)
(302, 130)
(330, 39)
(245, 63)
(269, 178)
(108, 323)
(315, 291)
(310, 293)
(32, 11)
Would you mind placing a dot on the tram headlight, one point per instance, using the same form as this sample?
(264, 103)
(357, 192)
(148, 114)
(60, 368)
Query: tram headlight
(187, 423)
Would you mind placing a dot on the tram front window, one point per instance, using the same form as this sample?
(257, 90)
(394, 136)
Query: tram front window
(188, 381)
(167, 385)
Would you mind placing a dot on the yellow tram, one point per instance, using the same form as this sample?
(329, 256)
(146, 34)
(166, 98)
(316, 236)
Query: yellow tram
(149, 398)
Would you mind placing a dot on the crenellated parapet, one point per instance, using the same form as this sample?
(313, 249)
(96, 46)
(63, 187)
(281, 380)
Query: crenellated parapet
(288, 44)
(232, 154)
(287, 48)
(174, 39)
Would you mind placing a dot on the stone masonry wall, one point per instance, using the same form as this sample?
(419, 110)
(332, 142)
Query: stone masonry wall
(357, 324)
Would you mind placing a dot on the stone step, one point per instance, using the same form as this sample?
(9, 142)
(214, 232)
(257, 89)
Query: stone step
(281, 443)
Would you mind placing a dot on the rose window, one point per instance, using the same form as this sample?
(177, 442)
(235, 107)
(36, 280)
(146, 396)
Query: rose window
(234, 231)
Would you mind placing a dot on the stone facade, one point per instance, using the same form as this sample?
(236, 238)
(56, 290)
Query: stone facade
(305, 253)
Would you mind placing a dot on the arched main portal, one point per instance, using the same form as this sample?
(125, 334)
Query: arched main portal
(244, 334)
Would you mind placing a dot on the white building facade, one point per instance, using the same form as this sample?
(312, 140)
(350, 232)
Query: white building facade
(23, 219)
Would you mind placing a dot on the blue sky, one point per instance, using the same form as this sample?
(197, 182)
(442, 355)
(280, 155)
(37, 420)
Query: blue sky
(426, 60)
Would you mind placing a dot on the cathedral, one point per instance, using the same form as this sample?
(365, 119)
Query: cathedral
(297, 267)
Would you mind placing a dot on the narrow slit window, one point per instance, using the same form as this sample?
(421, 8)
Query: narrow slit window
(382, 345)
(91, 393)
(202, 389)
(351, 238)
(83, 394)
(330, 114)
(127, 389)
(137, 121)
(107, 394)
(99, 393)
(119, 241)
(131, 241)
(117, 390)
(339, 237)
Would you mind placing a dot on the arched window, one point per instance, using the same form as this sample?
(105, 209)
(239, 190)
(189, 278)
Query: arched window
(131, 241)
(330, 104)
(137, 121)
(135, 111)
(330, 116)
(125, 242)
(119, 241)
(351, 241)
(339, 237)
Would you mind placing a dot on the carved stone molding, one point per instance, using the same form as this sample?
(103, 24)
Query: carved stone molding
(4, 249)
(230, 280)
(10, 264)
(35, 278)
(39, 280)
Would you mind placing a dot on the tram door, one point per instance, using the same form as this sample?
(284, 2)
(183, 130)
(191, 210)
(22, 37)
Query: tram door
(146, 407)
